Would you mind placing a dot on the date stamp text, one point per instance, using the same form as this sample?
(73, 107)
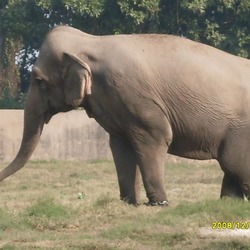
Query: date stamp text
(230, 224)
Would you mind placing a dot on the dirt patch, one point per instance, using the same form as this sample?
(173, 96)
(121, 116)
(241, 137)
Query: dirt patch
(209, 232)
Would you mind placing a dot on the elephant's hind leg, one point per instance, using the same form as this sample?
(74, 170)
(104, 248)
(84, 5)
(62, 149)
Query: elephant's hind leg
(127, 170)
(234, 159)
(231, 187)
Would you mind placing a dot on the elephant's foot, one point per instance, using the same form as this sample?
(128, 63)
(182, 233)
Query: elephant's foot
(157, 203)
(130, 202)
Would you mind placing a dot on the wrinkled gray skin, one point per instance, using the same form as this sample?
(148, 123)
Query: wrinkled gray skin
(153, 94)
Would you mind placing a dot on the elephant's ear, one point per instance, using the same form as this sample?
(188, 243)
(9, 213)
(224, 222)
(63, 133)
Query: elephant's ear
(77, 79)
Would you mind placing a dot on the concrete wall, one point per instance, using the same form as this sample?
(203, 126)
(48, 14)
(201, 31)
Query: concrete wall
(69, 135)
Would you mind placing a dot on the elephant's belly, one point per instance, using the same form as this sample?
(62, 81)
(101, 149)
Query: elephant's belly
(192, 151)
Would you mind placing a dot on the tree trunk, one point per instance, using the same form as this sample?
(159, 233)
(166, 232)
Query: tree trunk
(9, 73)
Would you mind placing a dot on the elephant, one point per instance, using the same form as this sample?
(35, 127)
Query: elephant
(155, 94)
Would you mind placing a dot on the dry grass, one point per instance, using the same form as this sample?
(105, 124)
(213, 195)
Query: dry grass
(41, 209)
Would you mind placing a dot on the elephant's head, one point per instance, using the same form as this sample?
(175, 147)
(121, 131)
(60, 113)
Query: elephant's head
(60, 81)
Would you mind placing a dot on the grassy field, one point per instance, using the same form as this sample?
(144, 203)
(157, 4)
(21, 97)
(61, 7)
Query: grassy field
(71, 205)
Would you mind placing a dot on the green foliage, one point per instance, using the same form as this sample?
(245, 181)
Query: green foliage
(139, 15)
(214, 22)
(46, 214)
(223, 24)
(47, 207)
(8, 101)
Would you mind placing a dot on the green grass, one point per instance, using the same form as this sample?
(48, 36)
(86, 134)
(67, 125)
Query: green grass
(41, 209)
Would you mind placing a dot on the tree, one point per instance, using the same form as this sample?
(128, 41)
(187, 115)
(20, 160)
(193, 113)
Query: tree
(8, 70)
(224, 24)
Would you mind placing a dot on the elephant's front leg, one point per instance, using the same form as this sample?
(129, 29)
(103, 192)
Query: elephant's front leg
(127, 169)
(151, 159)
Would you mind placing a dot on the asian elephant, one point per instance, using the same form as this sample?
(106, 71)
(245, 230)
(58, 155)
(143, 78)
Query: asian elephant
(153, 94)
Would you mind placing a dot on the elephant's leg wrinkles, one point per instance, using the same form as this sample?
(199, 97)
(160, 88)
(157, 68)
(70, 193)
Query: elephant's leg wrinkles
(150, 143)
(152, 171)
(127, 169)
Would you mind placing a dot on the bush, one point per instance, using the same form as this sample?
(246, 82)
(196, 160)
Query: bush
(9, 101)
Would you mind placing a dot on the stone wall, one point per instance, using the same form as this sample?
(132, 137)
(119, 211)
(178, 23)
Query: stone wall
(68, 136)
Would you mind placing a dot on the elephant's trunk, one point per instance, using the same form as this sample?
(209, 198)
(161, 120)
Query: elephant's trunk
(33, 126)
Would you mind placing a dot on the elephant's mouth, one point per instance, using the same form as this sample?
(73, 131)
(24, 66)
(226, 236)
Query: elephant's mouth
(48, 115)
(53, 111)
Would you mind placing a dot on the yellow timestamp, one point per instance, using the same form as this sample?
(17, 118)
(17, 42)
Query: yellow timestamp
(230, 224)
